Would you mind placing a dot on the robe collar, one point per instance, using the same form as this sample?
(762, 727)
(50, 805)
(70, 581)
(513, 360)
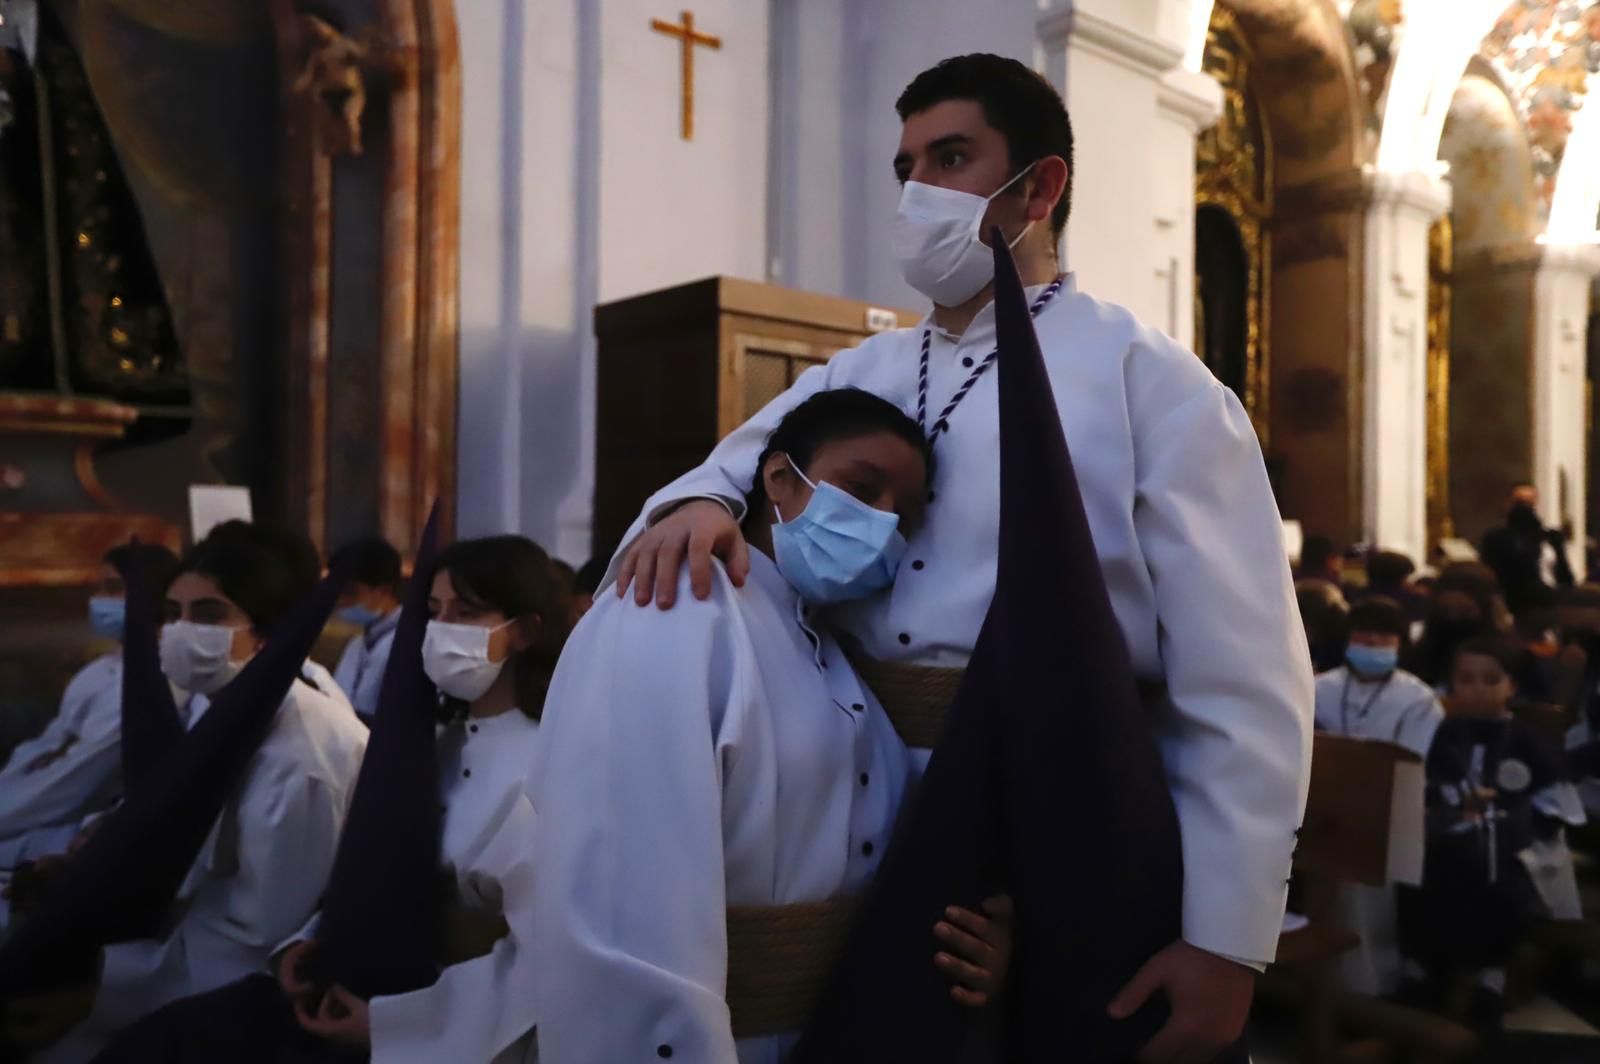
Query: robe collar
(982, 327)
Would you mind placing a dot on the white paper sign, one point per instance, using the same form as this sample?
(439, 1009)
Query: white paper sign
(211, 505)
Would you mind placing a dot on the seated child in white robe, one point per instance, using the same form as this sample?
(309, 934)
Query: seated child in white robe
(371, 602)
(499, 622)
(727, 755)
(258, 876)
(73, 769)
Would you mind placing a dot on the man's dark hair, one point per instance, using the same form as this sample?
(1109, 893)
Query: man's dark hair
(1315, 553)
(1379, 615)
(1388, 569)
(1017, 102)
(372, 561)
(1502, 649)
(265, 571)
(838, 414)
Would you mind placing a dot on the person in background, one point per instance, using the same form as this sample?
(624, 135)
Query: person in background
(259, 875)
(1325, 616)
(1496, 789)
(585, 583)
(1389, 576)
(1370, 696)
(370, 601)
(1523, 553)
(73, 768)
(1465, 604)
(1320, 560)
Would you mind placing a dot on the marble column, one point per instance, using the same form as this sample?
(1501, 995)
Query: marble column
(1135, 116)
(1394, 389)
(1560, 422)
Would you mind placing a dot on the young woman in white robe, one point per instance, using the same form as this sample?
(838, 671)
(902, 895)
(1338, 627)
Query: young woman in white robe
(73, 769)
(498, 626)
(260, 872)
(724, 755)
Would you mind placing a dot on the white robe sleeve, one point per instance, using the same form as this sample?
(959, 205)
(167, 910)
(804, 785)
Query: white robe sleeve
(1237, 739)
(480, 1007)
(67, 788)
(269, 868)
(1418, 721)
(629, 926)
(728, 471)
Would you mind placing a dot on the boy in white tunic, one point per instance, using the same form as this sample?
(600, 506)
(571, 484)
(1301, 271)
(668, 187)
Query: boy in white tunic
(1370, 696)
(722, 759)
(1184, 522)
(72, 769)
(370, 601)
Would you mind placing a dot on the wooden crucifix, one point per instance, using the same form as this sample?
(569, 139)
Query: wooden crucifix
(689, 36)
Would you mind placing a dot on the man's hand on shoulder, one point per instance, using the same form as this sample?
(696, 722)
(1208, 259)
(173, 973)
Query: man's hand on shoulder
(1210, 999)
(697, 531)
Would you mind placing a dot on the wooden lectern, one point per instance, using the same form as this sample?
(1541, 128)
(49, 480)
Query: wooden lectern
(681, 368)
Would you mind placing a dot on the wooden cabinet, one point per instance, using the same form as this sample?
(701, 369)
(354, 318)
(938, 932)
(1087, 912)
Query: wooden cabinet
(681, 368)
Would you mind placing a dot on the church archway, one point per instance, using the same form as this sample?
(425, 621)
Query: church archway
(1494, 219)
(1310, 210)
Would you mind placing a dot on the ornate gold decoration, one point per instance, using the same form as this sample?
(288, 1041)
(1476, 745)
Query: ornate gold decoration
(334, 75)
(1441, 522)
(1233, 171)
(689, 36)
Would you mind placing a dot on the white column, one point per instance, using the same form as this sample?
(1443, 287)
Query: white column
(1560, 423)
(1188, 103)
(1402, 208)
(1134, 118)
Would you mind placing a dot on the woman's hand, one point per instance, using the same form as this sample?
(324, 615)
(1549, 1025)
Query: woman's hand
(340, 1017)
(977, 950)
(287, 968)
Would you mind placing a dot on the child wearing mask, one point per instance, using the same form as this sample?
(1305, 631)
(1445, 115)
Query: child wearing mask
(259, 875)
(370, 601)
(1370, 696)
(1496, 788)
(73, 768)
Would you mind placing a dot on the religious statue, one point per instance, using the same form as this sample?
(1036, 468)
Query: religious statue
(334, 74)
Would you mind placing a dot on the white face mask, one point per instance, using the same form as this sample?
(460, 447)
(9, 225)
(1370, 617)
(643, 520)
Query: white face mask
(456, 659)
(936, 241)
(198, 657)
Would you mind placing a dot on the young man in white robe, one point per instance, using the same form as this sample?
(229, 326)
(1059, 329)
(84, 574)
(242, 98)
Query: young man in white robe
(260, 872)
(727, 757)
(1183, 517)
(73, 769)
(371, 602)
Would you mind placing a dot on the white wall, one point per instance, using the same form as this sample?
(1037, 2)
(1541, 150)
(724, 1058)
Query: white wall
(576, 188)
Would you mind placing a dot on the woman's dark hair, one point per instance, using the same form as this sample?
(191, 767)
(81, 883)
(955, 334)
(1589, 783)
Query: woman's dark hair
(1017, 102)
(839, 414)
(265, 571)
(373, 562)
(155, 565)
(513, 575)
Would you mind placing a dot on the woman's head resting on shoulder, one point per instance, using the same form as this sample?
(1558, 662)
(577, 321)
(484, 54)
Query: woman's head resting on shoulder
(842, 483)
(494, 603)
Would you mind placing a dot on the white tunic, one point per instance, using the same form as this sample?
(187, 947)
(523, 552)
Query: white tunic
(361, 666)
(480, 1010)
(1400, 709)
(1191, 546)
(258, 877)
(722, 754)
(70, 770)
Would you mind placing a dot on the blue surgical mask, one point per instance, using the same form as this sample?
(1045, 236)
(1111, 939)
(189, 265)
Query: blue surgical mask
(838, 548)
(107, 615)
(1372, 662)
(358, 615)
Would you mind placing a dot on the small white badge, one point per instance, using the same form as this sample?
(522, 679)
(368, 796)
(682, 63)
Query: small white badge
(1513, 775)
